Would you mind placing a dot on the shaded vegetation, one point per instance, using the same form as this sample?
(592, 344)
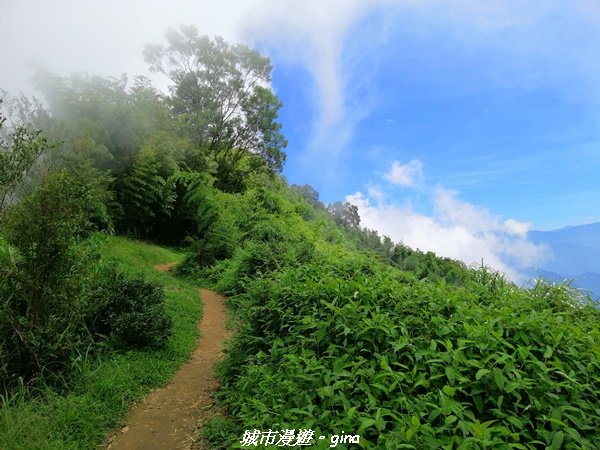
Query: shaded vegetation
(130, 311)
(98, 388)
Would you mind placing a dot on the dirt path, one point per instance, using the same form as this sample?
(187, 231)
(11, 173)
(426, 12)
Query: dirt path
(164, 267)
(167, 419)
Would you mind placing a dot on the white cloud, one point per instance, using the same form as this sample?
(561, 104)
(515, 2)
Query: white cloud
(101, 37)
(517, 228)
(376, 193)
(410, 174)
(455, 229)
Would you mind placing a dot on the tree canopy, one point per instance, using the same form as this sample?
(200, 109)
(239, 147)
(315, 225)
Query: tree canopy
(221, 94)
(20, 147)
(345, 214)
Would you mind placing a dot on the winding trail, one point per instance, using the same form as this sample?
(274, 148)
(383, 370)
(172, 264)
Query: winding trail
(168, 418)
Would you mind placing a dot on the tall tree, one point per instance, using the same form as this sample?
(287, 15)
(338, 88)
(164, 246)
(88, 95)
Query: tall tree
(308, 193)
(222, 94)
(20, 147)
(345, 214)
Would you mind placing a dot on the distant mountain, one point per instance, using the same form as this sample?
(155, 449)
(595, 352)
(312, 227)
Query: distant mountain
(574, 254)
(584, 235)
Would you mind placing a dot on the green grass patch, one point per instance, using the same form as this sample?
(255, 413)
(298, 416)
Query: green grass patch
(105, 387)
(140, 256)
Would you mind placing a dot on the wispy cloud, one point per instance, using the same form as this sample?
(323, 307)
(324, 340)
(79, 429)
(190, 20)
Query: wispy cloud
(409, 175)
(317, 35)
(313, 36)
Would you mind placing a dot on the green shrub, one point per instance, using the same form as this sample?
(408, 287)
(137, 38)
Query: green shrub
(130, 311)
(273, 246)
(338, 345)
(47, 268)
(218, 229)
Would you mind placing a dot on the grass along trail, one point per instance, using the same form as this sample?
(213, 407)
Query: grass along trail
(168, 418)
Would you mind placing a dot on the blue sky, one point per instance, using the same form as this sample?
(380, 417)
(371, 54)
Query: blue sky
(455, 126)
(507, 115)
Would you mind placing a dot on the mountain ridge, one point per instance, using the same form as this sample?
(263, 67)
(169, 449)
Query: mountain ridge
(574, 256)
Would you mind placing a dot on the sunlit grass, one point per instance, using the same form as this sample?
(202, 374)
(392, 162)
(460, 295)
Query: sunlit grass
(105, 387)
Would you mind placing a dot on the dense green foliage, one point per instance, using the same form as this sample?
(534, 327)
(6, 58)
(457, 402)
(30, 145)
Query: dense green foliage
(418, 364)
(46, 284)
(103, 385)
(54, 288)
(130, 311)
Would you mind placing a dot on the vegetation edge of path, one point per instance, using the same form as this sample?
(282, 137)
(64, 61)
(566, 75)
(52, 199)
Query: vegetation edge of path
(168, 418)
(106, 387)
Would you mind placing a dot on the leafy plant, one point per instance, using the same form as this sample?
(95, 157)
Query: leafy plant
(130, 311)
(348, 343)
(47, 269)
(146, 193)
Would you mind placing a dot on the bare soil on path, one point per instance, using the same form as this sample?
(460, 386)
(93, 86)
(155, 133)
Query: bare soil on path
(164, 267)
(168, 418)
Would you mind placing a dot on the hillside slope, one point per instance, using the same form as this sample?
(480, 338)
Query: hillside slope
(339, 330)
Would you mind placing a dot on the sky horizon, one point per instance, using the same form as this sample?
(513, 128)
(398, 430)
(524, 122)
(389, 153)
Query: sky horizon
(454, 126)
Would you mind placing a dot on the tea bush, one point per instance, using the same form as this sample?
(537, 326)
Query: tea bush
(130, 311)
(342, 345)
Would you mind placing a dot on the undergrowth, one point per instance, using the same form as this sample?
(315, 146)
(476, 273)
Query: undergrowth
(410, 364)
(102, 386)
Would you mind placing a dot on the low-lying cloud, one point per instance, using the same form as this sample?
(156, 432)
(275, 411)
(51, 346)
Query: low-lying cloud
(455, 228)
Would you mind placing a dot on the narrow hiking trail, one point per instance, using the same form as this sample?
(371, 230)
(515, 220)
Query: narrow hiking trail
(167, 419)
